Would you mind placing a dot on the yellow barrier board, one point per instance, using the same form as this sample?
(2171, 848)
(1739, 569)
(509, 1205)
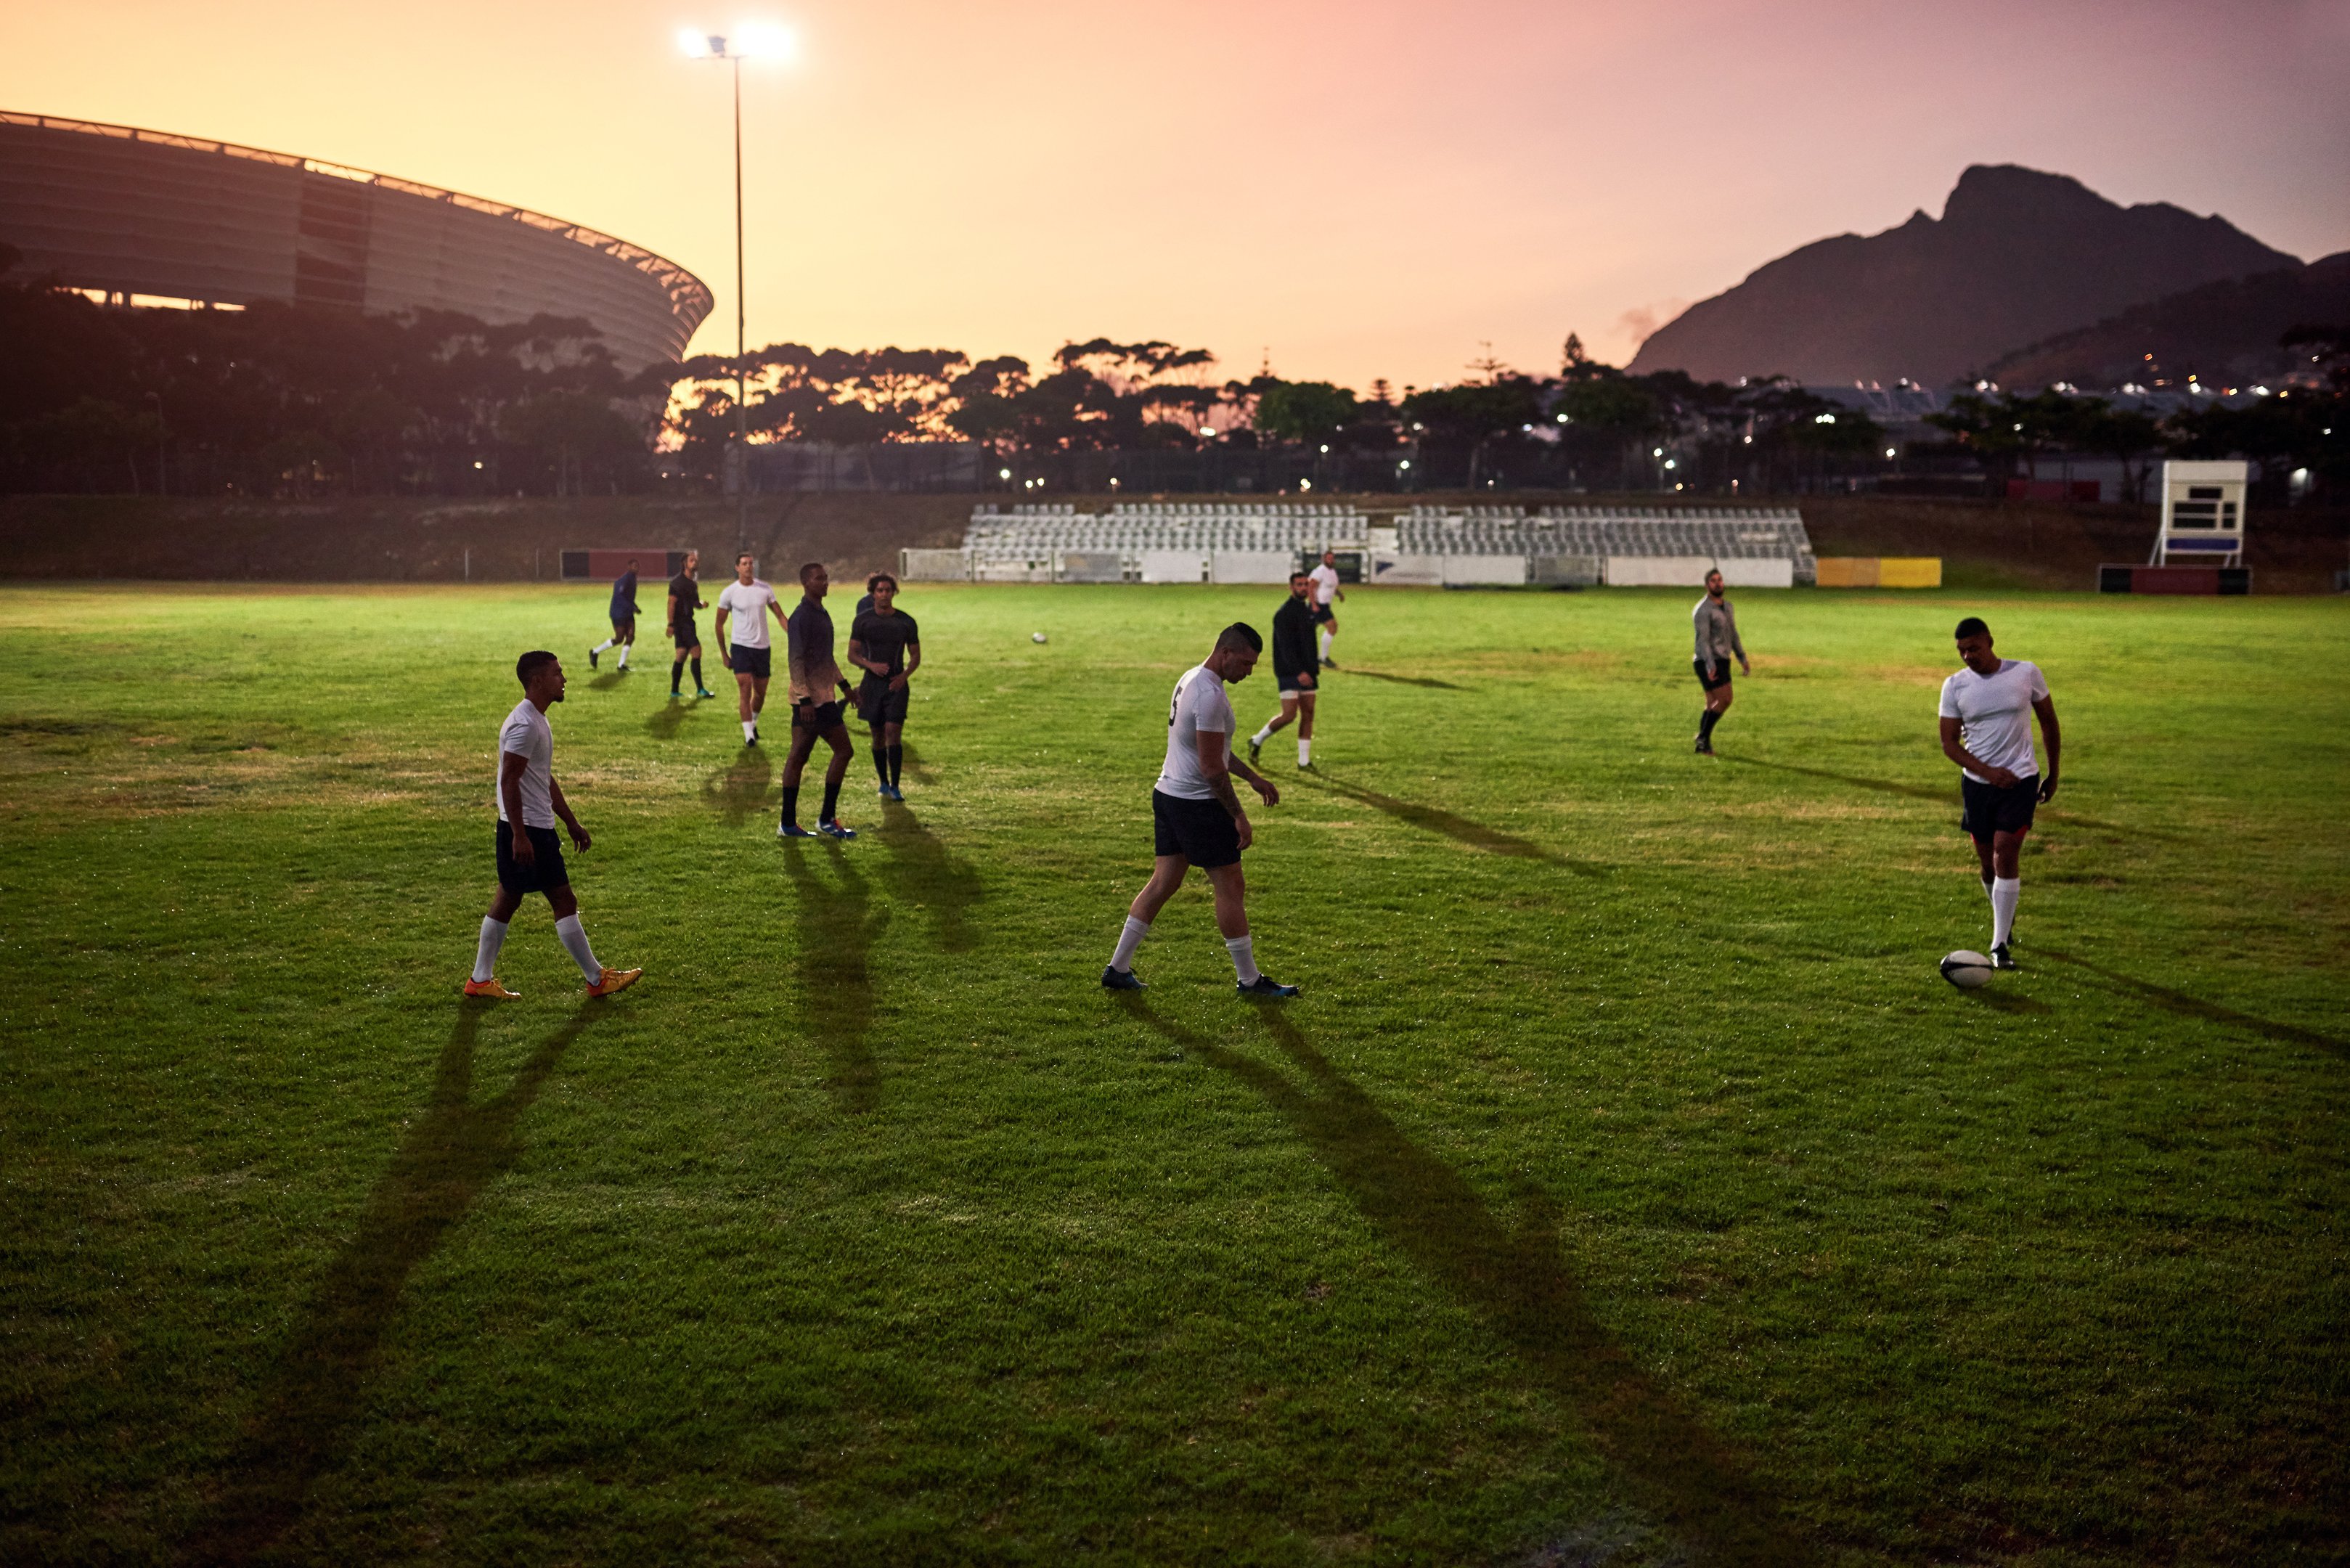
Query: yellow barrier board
(1880, 572)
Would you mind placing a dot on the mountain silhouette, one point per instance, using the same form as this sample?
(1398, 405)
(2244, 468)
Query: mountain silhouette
(2016, 257)
(2221, 334)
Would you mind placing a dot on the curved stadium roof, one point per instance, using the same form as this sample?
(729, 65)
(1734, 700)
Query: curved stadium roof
(138, 211)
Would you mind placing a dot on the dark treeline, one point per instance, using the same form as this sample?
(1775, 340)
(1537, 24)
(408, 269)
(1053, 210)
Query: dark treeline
(295, 401)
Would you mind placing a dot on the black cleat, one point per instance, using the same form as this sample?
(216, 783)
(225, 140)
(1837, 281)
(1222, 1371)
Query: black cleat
(1704, 747)
(591, 659)
(2003, 959)
(1256, 746)
(1120, 979)
(1266, 985)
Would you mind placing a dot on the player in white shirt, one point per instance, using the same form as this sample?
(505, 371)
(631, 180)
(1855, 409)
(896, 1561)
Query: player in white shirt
(1325, 578)
(1197, 818)
(530, 854)
(1986, 714)
(745, 648)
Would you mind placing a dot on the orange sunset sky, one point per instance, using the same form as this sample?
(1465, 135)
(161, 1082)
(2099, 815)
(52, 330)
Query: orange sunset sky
(1359, 190)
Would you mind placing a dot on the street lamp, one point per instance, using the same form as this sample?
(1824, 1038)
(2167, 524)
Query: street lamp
(752, 40)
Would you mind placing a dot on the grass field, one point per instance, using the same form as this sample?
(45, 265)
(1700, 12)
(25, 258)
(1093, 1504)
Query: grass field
(1626, 1187)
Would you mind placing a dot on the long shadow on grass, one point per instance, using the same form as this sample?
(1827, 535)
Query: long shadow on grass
(299, 1425)
(663, 721)
(1948, 798)
(1476, 835)
(2187, 1006)
(946, 888)
(739, 792)
(837, 925)
(1688, 1480)
(1402, 679)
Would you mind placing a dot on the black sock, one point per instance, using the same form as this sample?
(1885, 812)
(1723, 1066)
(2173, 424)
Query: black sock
(1705, 724)
(676, 672)
(698, 686)
(882, 763)
(791, 804)
(896, 762)
(831, 800)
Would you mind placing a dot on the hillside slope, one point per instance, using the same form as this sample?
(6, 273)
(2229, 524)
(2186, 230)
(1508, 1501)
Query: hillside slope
(2017, 256)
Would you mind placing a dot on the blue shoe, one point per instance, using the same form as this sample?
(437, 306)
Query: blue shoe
(1264, 986)
(834, 830)
(703, 691)
(897, 794)
(792, 830)
(1120, 979)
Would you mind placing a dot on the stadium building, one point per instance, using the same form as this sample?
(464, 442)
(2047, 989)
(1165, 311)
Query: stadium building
(144, 217)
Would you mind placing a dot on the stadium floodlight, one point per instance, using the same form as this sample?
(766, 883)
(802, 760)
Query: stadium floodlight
(750, 41)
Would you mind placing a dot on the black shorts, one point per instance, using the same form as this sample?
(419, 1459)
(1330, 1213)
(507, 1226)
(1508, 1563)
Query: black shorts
(1990, 808)
(686, 634)
(1324, 615)
(1285, 682)
(1712, 677)
(877, 704)
(749, 660)
(1201, 831)
(817, 716)
(544, 875)
(624, 626)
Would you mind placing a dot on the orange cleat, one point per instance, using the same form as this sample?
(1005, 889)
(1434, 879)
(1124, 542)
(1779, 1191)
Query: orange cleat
(614, 981)
(491, 988)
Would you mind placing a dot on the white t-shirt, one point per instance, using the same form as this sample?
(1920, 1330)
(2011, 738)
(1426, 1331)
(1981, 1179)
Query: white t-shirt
(1200, 705)
(1994, 714)
(526, 733)
(1325, 578)
(746, 610)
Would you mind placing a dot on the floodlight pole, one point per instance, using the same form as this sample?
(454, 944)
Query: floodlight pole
(742, 440)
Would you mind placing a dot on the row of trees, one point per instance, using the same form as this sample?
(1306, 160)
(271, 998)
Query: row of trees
(283, 399)
(286, 399)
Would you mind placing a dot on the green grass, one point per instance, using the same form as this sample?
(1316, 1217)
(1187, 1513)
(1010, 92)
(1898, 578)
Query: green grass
(1627, 1187)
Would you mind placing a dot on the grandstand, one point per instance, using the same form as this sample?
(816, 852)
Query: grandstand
(1425, 546)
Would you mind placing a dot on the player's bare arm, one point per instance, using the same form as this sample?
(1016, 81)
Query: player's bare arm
(511, 766)
(856, 657)
(2050, 737)
(717, 631)
(563, 815)
(914, 662)
(1953, 749)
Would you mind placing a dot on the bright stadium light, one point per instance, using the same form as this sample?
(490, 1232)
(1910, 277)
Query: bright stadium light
(751, 39)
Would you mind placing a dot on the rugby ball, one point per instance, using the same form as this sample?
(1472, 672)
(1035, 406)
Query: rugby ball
(1036, 637)
(1966, 970)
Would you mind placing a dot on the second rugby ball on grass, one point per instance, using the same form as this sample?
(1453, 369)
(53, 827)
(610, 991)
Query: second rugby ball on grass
(1966, 970)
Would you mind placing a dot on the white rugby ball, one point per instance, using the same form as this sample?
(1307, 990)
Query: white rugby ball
(1966, 970)
(1036, 637)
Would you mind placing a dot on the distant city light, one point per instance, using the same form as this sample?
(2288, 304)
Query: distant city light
(1889, 452)
(1406, 461)
(1002, 473)
(1657, 452)
(477, 463)
(1325, 448)
(1561, 418)
(1830, 419)
(1305, 485)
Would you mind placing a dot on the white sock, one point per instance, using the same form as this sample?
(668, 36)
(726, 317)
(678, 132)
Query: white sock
(1128, 939)
(1262, 736)
(1244, 951)
(624, 654)
(1325, 646)
(575, 943)
(486, 957)
(2003, 907)
(1304, 751)
(749, 726)
(601, 646)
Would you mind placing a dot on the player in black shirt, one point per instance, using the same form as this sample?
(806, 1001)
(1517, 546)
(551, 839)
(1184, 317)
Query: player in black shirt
(884, 643)
(1296, 668)
(684, 599)
(624, 618)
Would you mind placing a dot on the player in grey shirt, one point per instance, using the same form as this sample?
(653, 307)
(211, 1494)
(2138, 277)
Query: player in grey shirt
(1717, 642)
